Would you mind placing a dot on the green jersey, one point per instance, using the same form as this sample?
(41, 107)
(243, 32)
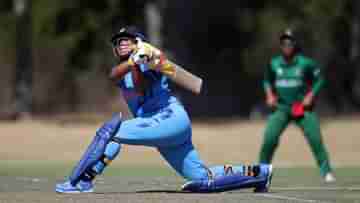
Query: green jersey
(291, 81)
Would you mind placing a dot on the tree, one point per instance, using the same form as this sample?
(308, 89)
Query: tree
(354, 57)
(23, 74)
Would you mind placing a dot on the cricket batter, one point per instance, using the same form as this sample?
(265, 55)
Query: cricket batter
(159, 121)
(292, 81)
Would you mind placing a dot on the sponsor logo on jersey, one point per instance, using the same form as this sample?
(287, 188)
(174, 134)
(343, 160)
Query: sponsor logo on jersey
(287, 83)
(279, 71)
(298, 72)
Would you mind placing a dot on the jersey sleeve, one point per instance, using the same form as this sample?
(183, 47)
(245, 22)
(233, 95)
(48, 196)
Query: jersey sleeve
(269, 77)
(317, 79)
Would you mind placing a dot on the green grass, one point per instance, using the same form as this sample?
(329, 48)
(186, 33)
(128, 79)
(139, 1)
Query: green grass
(51, 169)
(57, 169)
(299, 184)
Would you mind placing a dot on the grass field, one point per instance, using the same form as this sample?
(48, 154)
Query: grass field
(34, 155)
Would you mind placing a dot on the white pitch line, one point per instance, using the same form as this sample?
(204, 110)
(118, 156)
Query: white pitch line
(286, 198)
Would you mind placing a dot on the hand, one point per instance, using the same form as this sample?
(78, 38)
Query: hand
(271, 100)
(142, 53)
(140, 56)
(308, 99)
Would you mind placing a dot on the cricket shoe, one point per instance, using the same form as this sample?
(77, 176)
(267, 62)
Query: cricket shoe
(329, 178)
(81, 187)
(266, 171)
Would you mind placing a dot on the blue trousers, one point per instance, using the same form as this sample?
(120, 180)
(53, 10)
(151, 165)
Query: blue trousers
(169, 131)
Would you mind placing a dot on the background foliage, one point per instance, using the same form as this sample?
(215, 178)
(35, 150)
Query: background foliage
(228, 43)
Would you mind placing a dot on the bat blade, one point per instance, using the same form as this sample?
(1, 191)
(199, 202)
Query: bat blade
(176, 73)
(185, 79)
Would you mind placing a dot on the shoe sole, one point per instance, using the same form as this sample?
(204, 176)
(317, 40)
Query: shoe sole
(74, 191)
(67, 192)
(184, 186)
(329, 181)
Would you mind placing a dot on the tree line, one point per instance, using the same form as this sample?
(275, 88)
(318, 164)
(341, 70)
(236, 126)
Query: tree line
(56, 54)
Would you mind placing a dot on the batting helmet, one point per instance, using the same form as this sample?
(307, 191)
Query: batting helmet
(129, 32)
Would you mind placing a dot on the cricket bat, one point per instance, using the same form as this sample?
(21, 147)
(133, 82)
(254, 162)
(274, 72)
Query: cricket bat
(176, 73)
(185, 79)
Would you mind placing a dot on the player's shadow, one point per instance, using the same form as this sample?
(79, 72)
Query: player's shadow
(146, 192)
(161, 191)
(170, 192)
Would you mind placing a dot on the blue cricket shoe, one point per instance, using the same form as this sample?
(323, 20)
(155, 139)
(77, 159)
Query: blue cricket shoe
(260, 180)
(266, 171)
(81, 187)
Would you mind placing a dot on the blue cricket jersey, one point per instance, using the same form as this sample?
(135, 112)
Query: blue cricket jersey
(156, 96)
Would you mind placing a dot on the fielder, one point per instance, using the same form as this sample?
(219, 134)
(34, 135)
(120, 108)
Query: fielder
(159, 121)
(292, 81)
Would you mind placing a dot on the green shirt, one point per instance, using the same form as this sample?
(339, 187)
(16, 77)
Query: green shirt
(291, 81)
